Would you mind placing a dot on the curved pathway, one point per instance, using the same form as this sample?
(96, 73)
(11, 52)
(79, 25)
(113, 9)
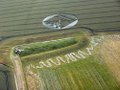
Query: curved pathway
(18, 72)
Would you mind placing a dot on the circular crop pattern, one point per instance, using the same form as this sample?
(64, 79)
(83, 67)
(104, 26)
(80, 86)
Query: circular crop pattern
(60, 21)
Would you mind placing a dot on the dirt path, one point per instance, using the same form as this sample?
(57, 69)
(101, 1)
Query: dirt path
(18, 72)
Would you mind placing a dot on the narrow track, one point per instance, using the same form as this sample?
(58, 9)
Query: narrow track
(18, 72)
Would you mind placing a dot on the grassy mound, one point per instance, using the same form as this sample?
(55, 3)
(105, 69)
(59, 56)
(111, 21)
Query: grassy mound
(81, 42)
(39, 47)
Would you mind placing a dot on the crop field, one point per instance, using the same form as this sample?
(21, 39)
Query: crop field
(111, 48)
(76, 70)
(19, 18)
(83, 57)
(75, 66)
(87, 73)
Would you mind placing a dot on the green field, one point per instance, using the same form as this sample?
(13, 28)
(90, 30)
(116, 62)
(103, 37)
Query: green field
(21, 27)
(87, 74)
(90, 73)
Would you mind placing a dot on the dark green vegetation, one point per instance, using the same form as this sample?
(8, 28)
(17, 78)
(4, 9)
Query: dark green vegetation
(63, 46)
(39, 47)
(6, 78)
(3, 82)
(21, 17)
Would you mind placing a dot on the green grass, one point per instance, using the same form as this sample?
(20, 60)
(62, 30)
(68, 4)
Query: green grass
(6, 78)
(2, 81)
(82, 42)
(39, 47)
(86, 74)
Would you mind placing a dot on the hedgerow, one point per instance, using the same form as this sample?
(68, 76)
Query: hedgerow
(39, 47)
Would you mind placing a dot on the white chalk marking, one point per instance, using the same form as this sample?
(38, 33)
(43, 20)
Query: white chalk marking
(70, 57)
(82, 54)
(90, 50)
